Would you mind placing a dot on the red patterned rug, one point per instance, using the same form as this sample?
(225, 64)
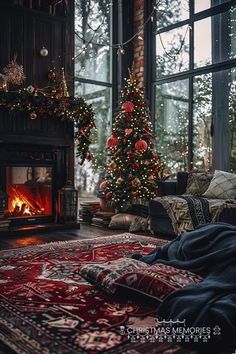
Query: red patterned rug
(46, 307)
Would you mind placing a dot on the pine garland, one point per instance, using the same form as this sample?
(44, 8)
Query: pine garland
(67, 108)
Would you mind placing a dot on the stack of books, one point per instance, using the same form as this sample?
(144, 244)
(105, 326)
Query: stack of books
(102, 218)
(87, 210)
(4, 222)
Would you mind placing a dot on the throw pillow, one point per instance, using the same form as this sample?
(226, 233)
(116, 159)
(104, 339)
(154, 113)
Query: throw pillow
(222, 186)
(156, 281)
(123, 221)
(198, 182)
(104, 275)
(139, 224)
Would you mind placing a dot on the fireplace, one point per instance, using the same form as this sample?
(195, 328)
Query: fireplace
(36, 159)
(29, 190)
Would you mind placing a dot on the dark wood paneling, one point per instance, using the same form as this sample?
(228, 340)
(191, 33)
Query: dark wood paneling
(24, 31)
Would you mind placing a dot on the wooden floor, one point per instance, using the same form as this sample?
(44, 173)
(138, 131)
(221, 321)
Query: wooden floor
(85, 232)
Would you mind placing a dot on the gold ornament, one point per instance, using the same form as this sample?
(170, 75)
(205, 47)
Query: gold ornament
(120, 180)
(136, 182)
(113, 165)
(134, 193)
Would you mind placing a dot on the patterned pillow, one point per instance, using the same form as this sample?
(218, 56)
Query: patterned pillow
(104, 275)
(123, 221)
(156, 281)
(198, 182)
(222, 186)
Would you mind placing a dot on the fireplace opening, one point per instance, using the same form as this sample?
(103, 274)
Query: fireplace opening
(29, 190)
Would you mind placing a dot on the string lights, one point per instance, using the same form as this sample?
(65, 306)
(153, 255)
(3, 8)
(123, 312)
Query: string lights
(120, 47)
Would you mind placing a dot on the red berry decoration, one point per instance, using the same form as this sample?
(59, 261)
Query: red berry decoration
(51, 75)
(108, 195)
(112, 142)
(141, 145)
(128, 107)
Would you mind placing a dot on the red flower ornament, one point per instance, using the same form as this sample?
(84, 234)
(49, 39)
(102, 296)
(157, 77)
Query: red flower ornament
(128, 107)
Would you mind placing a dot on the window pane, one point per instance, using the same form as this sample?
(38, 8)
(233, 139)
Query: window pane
(170, 12)
(202, 119)
(172, 109)
(201, 5)
(86, 177)
(92, 27)
(172, 51)
(214, 38)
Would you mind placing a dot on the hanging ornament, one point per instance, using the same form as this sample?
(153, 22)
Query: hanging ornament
(14, 72)
(30, 89)
(113, 165)
(128, 131)
(120, 180)
(112, 142)
(136, 182)
(43, 52)
(141, 145)
(128, 107)
(134, 193)
(103, 186)
(33, 115)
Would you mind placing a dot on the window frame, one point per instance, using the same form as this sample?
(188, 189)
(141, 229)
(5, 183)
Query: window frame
(152, 81)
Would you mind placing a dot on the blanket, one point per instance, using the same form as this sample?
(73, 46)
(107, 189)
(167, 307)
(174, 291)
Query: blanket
(187, 212)
(210, 251)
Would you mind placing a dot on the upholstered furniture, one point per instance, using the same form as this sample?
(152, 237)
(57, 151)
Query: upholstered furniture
(224, 209)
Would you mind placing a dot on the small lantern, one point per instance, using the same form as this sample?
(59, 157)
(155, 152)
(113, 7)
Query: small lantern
(3, 201)
(67, 203)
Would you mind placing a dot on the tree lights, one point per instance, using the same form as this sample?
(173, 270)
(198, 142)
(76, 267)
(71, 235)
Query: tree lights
(134, 166)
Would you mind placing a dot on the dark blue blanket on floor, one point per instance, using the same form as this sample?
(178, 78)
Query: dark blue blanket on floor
(210, 251)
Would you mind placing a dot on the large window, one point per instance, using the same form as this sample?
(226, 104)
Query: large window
(93, 69)
(194, 83)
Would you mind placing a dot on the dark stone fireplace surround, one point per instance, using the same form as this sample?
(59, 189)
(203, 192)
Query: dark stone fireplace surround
(41, 142)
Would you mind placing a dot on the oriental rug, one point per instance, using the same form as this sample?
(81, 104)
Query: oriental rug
(47, 307)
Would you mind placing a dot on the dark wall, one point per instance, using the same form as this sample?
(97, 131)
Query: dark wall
(26, 26)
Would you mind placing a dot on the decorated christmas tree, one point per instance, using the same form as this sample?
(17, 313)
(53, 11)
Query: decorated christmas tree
(134, 166)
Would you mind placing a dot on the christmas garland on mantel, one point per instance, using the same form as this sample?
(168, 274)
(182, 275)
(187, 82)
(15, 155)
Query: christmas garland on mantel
(66, 108)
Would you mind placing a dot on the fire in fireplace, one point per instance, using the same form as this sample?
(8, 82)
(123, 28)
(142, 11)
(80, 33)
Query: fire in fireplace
(29, 190)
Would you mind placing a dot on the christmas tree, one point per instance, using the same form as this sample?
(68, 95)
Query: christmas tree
(134, 166)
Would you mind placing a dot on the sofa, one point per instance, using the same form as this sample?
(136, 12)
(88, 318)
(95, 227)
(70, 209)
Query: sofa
(160, 218)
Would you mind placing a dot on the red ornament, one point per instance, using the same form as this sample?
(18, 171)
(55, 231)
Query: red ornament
(112, 142)
(89, 156)
(128, 107)
(141, 145)
(103, 186)
(135, 166)
(108, 195)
